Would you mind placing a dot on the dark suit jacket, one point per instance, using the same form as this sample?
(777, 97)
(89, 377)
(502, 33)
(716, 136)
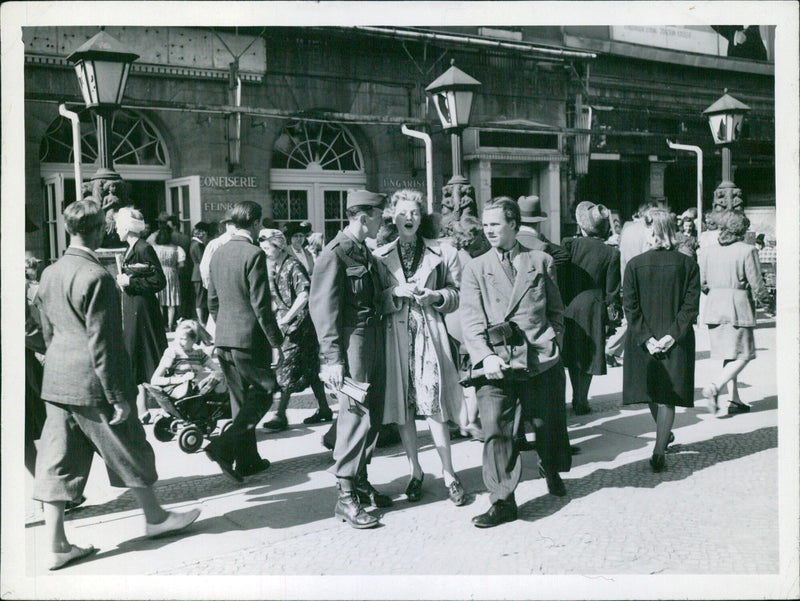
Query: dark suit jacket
(196, 255)
(86, 361)
(239, 297)
(532, 302)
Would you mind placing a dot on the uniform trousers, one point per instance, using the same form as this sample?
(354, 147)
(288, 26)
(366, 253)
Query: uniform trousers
(358, 425)
(540, 400)
(70, 437)
(251, 385)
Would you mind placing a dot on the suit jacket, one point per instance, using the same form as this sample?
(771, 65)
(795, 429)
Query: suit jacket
(86, 362)
(532, 302)
(196, 249)
(530, 238)
(239, 297)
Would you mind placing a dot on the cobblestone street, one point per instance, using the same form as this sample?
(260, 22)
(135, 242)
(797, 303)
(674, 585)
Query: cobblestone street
(714, 511)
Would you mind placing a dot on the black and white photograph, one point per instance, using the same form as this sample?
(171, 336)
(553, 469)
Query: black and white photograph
(400, 300)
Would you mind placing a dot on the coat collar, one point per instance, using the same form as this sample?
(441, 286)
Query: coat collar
(497, 279)
(80, 252)
(431, 257)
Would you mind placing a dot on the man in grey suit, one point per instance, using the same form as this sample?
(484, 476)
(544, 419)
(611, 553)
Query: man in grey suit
(512, 318)
(246, 331)
(89, 391)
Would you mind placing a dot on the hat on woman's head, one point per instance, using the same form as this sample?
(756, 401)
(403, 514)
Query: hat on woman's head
(530, 209)
(594, 219)
(296, 227)
(272, 236)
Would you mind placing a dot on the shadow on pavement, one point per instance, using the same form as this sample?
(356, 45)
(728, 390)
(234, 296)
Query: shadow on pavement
(686, 460)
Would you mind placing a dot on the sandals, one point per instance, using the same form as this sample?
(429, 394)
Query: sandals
(59, 560)
(711, 392)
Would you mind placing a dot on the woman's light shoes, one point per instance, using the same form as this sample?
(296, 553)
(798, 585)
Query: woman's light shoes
(711, 392)
(175, 521)
(59, 560)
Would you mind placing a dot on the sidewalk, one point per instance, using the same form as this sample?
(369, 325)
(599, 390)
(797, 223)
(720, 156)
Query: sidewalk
(714, 511)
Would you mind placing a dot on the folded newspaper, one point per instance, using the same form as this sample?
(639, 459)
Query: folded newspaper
(354, 389)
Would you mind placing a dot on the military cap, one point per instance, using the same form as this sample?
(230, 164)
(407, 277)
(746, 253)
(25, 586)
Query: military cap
(356, 198)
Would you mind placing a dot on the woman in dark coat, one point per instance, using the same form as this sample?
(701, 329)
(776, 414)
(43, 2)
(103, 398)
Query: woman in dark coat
(590, 287)
(142, 324)
(661, 297)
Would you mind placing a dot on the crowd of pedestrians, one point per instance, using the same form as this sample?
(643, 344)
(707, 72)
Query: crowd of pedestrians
(472, 334)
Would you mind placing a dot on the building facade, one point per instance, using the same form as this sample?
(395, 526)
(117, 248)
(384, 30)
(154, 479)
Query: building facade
(294, 117)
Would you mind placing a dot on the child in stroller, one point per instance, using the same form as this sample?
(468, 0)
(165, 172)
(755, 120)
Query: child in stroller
(189, 387)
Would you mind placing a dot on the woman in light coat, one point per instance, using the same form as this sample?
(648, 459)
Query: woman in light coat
(421, 378)
(730, 274)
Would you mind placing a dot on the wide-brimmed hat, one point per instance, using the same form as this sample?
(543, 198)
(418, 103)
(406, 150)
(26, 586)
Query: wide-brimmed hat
(530, 209)
(297, 227)
(594, 219)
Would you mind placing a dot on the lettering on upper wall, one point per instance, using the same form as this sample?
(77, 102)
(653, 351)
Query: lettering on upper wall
(229, 181)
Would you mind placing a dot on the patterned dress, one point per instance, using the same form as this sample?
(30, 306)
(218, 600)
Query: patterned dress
(423, 369)
(170, 256)
(300, 365)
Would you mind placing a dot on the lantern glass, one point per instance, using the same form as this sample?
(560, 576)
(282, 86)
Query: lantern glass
(726, 127)
(102, 83)
(454, 107)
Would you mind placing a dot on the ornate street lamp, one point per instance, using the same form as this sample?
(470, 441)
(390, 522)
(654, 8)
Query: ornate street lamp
(725, 118)
(102, 65)
(452, 94)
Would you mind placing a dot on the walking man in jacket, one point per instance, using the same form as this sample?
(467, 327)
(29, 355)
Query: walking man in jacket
(246, 332)
(513, 318)
(89, 391)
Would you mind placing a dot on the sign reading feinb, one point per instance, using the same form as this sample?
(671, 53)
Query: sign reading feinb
(229, 181)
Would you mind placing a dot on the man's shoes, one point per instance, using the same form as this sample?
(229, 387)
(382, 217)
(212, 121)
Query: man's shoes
(319, 417)
(225, 465)
(414, 489)
(574, 450)
(277, 424)
(253, 469)
(60, 560)
(369, 496)
(611, 361)
(522, 444)
(499, 513)
(581, 408)
(349, 510)
(175, 521)
(457, 493)
(736, 408)
(555, 485)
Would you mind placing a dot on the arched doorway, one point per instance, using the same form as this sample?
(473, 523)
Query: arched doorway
(140, 156)
(313, 166)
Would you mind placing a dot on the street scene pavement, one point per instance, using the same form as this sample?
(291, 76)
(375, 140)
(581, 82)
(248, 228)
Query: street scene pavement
(713, 511)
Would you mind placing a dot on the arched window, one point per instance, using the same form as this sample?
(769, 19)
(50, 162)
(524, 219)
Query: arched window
(134, 140)
(316, 147)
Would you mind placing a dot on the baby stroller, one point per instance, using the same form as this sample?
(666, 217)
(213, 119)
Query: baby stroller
(190, 415)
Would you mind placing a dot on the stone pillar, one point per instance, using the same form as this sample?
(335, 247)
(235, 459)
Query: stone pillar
(550, 195)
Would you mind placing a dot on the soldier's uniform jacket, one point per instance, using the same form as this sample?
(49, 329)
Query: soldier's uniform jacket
(345, 292)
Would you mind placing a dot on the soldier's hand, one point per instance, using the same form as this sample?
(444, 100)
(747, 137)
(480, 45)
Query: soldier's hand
(493, 367)
(333, 375)
(121, 413)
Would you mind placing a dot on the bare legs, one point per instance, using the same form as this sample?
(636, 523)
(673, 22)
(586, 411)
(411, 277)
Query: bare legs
(319, 393)
(664, 416)
(441, 440)
(581, 382)
(141, 403)
(731, 368)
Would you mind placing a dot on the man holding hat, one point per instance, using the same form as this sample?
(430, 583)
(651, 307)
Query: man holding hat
(345, 291)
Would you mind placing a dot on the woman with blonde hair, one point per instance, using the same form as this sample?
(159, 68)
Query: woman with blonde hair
(142, 325)
(730, 273)
(423, 278)
(661, 298)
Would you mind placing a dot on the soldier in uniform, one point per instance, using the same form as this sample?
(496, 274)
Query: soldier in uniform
(346, 288)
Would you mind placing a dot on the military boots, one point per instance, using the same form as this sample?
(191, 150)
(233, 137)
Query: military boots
(348, 509)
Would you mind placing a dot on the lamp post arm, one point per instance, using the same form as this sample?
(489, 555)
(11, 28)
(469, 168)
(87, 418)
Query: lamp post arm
(428, 160)
(699, 152)
(76, 145)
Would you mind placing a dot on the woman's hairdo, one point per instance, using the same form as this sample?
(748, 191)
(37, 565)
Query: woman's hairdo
(662, 224)
(405, 194)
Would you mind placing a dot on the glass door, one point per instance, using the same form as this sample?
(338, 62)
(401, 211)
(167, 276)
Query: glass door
(293, 204)
(183, 200)
(56, 234)
(334, 218)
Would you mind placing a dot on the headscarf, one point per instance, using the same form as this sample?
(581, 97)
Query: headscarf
(274, 237)
(130, 220)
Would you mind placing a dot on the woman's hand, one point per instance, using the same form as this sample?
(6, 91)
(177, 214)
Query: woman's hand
(666, 343)
(653, 346)
(404, 290)
(123, 280)
(426, 297)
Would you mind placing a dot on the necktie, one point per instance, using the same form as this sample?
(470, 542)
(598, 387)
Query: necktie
(508, 266)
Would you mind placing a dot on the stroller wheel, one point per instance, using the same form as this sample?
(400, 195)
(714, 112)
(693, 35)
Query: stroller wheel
(224, 427)
(190, 439)
(162, 429)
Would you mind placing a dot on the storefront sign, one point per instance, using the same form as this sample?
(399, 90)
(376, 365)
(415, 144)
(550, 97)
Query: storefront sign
(686, 39)
(397, 183)
(229, 181)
